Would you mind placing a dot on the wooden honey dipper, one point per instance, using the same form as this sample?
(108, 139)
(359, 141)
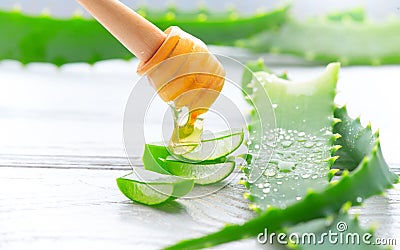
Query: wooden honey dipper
(178, 65)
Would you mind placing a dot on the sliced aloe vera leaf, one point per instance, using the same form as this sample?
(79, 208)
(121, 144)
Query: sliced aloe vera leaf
(151, 188)
(215, 146)
(202, 173)
(153, 157)
(300, 156)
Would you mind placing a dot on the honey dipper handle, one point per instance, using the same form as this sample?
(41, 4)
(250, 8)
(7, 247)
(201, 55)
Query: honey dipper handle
(138, 35)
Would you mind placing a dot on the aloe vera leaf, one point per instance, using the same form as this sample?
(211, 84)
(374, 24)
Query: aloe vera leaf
(301, 156)
(46, 39)
(347, 144)
(355, 135)
(324, 40)
(59, 41)
(247, 76)
(355, 140)
(219, 28)
(251, 68)
(350, 155)
(371, 177)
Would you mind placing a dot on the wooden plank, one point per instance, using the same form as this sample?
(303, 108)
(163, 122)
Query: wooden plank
(39, 207)
(69, 161)
(81, 208)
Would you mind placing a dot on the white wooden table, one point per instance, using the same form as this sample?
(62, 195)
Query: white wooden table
(61, 149)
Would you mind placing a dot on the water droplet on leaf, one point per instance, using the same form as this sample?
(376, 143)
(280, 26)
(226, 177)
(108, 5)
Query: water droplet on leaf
(266, 190)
